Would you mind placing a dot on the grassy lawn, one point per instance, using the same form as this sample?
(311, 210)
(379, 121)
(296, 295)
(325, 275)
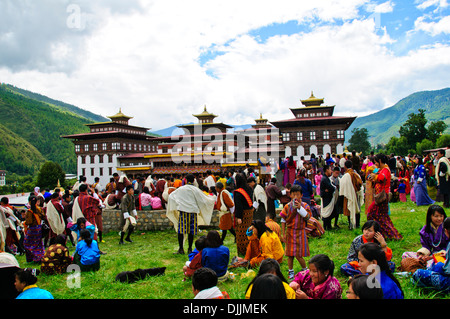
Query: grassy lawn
(155, 249)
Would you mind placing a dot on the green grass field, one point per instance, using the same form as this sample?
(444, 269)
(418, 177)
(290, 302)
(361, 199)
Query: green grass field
(155, 249)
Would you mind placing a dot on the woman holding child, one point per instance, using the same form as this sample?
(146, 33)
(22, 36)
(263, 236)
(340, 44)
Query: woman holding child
(380, 211)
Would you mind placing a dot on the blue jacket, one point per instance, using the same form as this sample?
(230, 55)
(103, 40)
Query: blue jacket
(35, 293)
(89, 255)
(217, 259)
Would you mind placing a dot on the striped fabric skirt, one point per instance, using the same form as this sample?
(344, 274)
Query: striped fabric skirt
(241, 231)
(187, 223)
(34, 248)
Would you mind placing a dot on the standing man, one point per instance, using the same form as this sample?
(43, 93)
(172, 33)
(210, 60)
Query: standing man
(329, 197)
(87, 204)
(159, 189)
(338, 206)
(273, 193)
(350, 188)
(260, 198)
(210, 181)
(121, 183)
(443, 176)
(128, 216)
(225, 206)
(187, 208)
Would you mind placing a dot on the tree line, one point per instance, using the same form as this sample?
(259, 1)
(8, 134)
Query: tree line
(416, 136)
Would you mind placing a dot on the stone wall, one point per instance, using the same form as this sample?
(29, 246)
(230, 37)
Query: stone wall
(148, 220)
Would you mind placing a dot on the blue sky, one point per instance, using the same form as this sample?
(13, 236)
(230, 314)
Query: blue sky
(161, 61)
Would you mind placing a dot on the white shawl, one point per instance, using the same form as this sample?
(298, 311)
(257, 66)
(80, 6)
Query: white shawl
(76, 210)
(347, 190)
(260, 194)
(77, 213)
(190, 199)
(55, 219)
(443, 161)
(328, 210)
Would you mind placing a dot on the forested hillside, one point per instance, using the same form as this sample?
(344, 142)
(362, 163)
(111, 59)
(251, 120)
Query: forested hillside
(31, 133)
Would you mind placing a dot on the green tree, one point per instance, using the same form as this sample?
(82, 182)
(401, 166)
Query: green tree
(435, 129)
(49, 174)
(425, 144)
(414, 129)
(359, 140)
(443, 141)
(397, 146)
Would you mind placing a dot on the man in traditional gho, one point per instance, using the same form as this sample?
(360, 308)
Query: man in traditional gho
(86, 204)
(351, 188)
(128, 214)
(9, 223)
(187, 208)
(55, 217)
(443, 176)
(121, 183)
(225, 206)
(329, 195)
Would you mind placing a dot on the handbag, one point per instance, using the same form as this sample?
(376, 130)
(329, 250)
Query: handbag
(381, 197)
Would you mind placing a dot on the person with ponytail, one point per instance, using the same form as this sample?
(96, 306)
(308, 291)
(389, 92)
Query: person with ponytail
(87, 254)
(372, 261)
(317, 282)
(25, 283)
(34, 249)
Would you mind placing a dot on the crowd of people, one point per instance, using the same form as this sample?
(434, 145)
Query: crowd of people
(270, 217)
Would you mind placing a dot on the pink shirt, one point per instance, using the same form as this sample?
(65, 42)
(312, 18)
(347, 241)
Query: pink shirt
(145, 199)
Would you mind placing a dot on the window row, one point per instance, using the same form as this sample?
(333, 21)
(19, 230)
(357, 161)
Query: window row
(122, 130)
(318, 114)
(116, 146)
(101, 171)
(313, 135)
(101, 159)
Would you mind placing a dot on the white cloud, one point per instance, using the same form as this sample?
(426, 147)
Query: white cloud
(384, 7)
(145, 60)
(433, 28)
(425, 4)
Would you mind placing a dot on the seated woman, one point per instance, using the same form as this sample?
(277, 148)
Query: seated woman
(145, 199)
(87, 255)
(371, 234)
(270, 266)
(26, 280)
(372, 261)
(437, 276)
(317, 282)
(263, 243)
(81, 224)
(432, 235)
(56, 258)
(215, 255)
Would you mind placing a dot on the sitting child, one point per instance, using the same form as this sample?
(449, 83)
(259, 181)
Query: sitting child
(195, 260)
(87, 255)
(437, 276)
(371, 233)
(432, 237)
